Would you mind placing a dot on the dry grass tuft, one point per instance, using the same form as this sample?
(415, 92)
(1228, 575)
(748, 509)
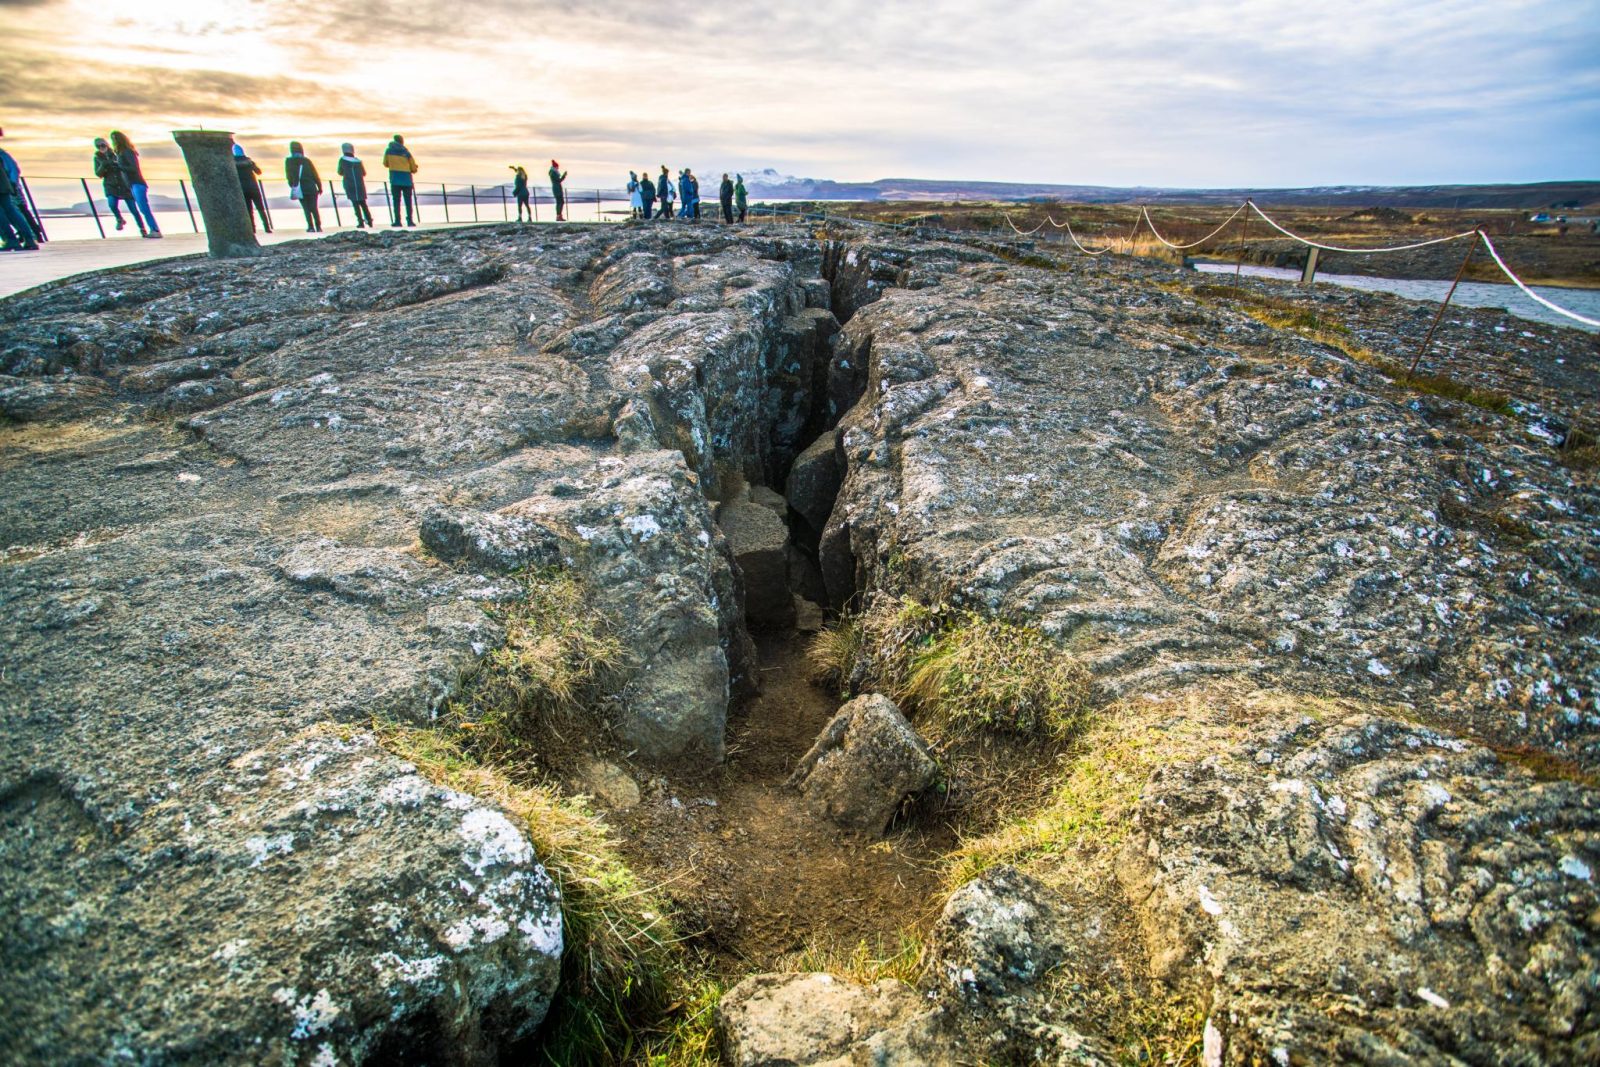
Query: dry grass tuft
(957, 671)
(557, 653)
(902, 960)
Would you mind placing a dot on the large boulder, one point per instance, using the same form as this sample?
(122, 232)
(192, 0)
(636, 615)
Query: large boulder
(814, 481)
(758, 538)
(310, 901)
(867, 760)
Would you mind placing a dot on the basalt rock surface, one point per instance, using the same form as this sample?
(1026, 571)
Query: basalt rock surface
(253, 505)
(250, 502)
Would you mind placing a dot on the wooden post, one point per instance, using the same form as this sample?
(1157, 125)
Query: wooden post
(333, 198)
(474, 203)
(1309, 275)
(444, 194)
(1477, 235)
(92, 209)
(1244, 231)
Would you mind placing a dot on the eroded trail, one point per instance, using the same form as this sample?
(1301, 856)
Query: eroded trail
(756, 875)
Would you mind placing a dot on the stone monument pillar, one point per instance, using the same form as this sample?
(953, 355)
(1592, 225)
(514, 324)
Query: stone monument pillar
(209, 155)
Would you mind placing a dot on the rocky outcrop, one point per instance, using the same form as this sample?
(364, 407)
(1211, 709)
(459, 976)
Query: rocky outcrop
(248, 504)
(867, 761)
(250, 508)
(1369, 889)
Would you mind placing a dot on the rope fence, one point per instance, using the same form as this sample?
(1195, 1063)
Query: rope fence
(1475, 234)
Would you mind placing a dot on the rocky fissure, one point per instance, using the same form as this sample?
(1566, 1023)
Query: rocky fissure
(1337, 798)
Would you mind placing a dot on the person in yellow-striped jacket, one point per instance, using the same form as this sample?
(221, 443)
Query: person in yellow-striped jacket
(397, 159)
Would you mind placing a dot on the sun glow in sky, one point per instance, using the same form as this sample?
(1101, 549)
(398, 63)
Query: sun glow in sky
(1115, 92)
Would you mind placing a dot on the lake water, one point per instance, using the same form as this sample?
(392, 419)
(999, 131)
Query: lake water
(1472, 294)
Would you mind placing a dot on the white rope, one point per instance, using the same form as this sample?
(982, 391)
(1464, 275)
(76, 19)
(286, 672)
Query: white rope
(1193, 244)
(1362, 251)
(1068, 227)
(1021, 233)
(1519, 284)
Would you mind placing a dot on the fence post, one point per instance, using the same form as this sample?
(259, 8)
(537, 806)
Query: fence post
(505, 207)
(1244, 231)
(444, 194)
(533, 195)
(262, 189)
(388, 203)
(92, 209)
(333, 196)
(183, 187)
(33, 209)
(474, 203)
(1428, 340)
(597, 206)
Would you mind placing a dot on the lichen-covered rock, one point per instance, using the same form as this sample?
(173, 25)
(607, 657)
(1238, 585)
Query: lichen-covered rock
(310, 901)
(1371, 890)
(817, 1020)
(866, 761)
(997, 932)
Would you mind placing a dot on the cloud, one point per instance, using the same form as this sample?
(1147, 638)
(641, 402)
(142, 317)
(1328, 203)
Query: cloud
(1101, 91)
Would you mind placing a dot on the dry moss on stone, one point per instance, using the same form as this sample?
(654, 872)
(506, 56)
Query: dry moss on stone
(556, 653)
(959, 671)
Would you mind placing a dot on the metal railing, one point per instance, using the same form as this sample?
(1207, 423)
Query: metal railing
(80, 205)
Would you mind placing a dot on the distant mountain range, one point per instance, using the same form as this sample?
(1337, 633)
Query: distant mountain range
(768, 184)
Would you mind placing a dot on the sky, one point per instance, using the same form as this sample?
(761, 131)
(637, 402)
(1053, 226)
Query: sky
(1199, 93)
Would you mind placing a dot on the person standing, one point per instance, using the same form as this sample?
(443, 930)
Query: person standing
(305, 185)
(664, 189)
(353, 174)
(15, 233)
(741, 199)
(400, 163)
(558, 178)
(725, 195)
(19, 198)
(128, 160)
(519, 189)
(114, 183)
(250, 186)
(647, 194)
(635, 199)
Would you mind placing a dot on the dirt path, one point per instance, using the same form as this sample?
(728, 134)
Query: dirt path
(757, 874)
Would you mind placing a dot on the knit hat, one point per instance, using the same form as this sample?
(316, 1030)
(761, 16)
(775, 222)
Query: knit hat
(238, 150)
